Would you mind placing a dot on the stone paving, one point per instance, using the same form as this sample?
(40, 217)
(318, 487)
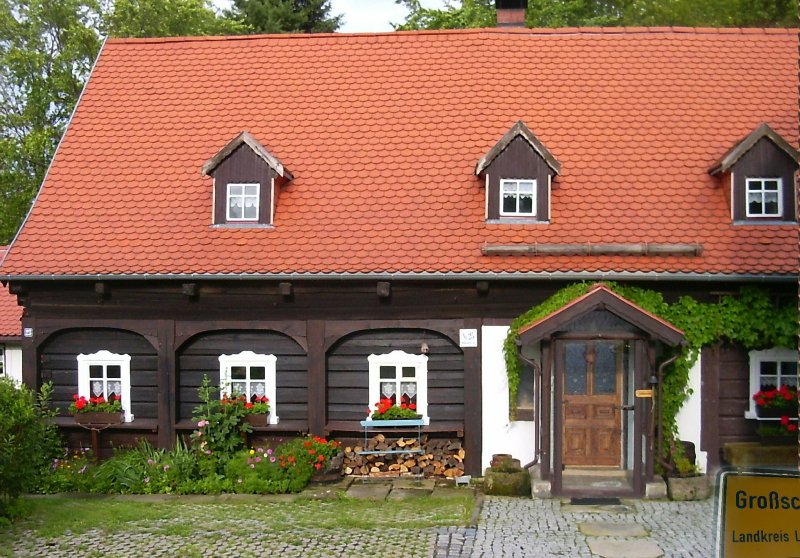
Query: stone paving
(501, 527)
(518, 527)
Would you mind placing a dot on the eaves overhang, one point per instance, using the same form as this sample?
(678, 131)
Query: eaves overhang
(420, 276)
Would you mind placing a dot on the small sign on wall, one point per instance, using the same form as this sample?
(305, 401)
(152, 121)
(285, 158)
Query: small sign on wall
(27, 332)
(468, 337)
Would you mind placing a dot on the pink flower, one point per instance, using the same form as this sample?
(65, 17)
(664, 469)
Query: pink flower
(202, 423)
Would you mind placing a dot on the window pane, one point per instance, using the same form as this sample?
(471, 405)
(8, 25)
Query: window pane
(235, 190)
(769, 367)
(235, 210)
(97, 388)
(95, 371)
(259, 389)
(790, 381)
(114, 371)
(788, 369)
(771, 203)
(409, 372)
(509, 188)
(238, 372)
(575, 374)
(526, 187)
(258, 372)
(771, 185)
(239, 388)
(605, 369)
(250, 212)
(509, 203)
(388, 390)
(114, 388)
(525, 203)
(388, 372)
(769, 382)
(251, 190)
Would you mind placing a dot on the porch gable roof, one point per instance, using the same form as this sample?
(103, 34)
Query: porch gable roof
(601, 297)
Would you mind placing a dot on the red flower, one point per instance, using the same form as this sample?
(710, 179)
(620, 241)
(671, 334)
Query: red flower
(320, 457)
(318, 466)
(784, 420)
(248, 405)
(291, 459)
(791, 427)
(311, 452)
(307, 444)
(413, 406)
(75, 397)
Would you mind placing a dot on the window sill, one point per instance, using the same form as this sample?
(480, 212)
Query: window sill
(282, 426)
(138, 424)
(242, 226)
(760, 221)
(516, 221)
(752, 416)
(436, 426)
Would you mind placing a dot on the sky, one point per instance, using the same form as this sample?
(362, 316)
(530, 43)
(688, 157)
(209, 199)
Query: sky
(373, 15)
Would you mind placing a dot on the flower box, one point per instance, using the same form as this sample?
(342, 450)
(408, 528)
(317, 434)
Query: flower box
(777, 440)
(392, 422)
(775, 412)
(258, 420)
(98, 417)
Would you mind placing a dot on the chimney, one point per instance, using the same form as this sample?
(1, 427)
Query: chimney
(511, 13)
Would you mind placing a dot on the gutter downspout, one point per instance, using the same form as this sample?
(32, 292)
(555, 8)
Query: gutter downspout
(660, 437)
(537, 382)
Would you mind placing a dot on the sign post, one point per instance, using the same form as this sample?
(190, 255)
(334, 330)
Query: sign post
(758, 514)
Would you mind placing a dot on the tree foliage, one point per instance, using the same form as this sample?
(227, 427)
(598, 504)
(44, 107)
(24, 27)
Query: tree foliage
(167, 18)
(286, 16)
(576, 13)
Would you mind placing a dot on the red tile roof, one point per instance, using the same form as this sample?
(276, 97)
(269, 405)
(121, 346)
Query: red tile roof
(382, 133)
(10, 313)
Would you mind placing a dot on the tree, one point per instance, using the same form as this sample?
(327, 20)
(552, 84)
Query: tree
(286, 16)
(46, 51)
(470, 13)
(167, 18)
(576, 13)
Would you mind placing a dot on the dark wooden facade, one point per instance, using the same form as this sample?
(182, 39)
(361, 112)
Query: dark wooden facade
(243, 166)
(519, 160)
(322, 334)
(764, 155)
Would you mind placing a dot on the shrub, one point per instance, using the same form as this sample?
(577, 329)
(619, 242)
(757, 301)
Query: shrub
(28, 441)
(220, 428)
(71, 471)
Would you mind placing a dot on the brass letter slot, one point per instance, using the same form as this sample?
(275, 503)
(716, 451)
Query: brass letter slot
(641, 393)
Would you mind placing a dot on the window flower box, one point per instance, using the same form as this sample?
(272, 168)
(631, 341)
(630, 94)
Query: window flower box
(257, 420)
(776, 403)
(98, 417)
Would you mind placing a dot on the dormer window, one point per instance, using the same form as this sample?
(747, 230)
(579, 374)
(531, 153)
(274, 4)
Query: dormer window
(518, 198)
(518, 173)
(764, 197)
(247, 183)
(754, 174)
(243, 202)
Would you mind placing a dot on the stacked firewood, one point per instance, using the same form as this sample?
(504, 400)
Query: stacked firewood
(439, 457)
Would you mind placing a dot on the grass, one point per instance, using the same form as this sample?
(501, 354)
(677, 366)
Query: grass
(62, 520)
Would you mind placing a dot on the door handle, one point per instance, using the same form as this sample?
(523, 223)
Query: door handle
(625, 407)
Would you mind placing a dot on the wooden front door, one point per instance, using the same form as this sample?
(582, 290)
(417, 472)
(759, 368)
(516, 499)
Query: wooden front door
(592, 402)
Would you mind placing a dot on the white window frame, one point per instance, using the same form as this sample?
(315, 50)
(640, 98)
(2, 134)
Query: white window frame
(518, 213)
(761, 181)
(243, 196)
(775, 354)
(248, 359)
(105, 359)
(400, 359)
(2, 360)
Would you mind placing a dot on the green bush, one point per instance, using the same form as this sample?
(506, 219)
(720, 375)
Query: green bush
(71, 471)
(220, 429)
(28, 442)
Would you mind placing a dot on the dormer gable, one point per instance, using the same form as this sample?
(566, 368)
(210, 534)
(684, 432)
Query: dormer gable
(247, 181)
(758, 176)
(518, 172)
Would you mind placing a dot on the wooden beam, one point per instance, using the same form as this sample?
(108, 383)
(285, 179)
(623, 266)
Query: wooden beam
(589, 249)
(317, 381)
(482, 287)
(167, 380)
(189, 289)
(473, 426)
(384, 289)
(285, 289)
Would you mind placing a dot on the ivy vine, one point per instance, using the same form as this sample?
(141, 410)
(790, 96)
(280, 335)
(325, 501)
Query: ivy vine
(748, 318)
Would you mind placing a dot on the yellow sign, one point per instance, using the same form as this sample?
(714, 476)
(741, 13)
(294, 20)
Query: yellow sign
(758, 514)
(644, 393)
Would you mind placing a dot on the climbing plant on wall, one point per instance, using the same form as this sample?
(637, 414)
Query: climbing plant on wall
(748, 318)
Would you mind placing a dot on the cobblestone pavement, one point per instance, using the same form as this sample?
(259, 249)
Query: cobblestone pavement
(507, 527)
(517, 527)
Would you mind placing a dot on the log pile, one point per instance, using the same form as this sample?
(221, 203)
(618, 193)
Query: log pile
(439, 457)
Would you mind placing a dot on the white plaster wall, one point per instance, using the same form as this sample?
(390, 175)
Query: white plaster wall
(14, 363)
(690, 416)
(499, 434)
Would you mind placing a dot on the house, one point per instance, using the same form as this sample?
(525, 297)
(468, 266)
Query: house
(10, 335)
(327, 219)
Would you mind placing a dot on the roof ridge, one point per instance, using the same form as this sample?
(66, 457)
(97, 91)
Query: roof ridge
(473, 31)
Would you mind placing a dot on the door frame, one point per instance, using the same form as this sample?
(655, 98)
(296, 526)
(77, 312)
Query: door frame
(639, 376)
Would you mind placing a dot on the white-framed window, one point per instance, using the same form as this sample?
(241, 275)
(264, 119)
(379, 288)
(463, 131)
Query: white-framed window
(102, 374)
(401, 377)
(518, 198)
(764, 197)
(771, 369)
(242, 202)
(252, 375)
